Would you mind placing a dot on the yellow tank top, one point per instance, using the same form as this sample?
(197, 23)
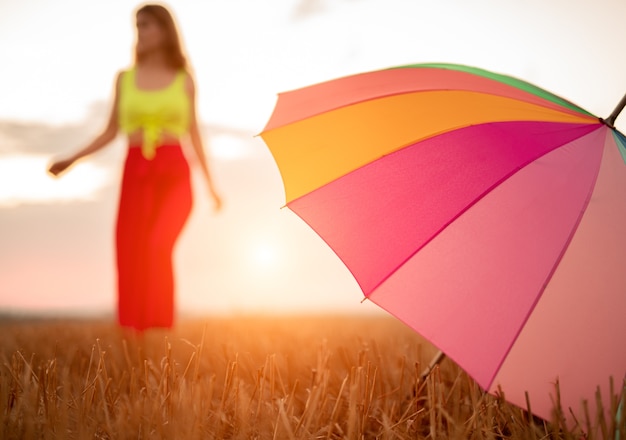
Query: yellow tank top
(153, 111)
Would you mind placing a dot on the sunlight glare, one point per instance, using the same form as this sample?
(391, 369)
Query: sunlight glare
(23, 179)
(264, 256)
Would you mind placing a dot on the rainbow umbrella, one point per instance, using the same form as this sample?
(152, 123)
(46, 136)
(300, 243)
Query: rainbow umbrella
(486, 213)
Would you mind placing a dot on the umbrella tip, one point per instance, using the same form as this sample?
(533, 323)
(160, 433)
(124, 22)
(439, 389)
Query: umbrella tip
(609, 122)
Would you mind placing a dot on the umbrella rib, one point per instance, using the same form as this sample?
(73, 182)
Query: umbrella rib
(545, 104)
(462, 212)
(556, 264)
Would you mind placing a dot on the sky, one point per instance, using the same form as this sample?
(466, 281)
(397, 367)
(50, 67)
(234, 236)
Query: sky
(59, 60)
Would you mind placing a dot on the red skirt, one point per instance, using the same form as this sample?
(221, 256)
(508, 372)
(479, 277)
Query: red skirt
(155, 202)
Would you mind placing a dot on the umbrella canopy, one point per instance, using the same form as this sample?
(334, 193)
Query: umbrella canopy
(486, 213)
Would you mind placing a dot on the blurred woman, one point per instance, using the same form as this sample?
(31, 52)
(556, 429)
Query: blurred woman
(154, 105)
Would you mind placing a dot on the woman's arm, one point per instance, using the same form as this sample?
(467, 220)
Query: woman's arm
(196, 141)
(107, 135)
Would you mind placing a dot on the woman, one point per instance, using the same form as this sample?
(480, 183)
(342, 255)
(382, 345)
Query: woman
(154, 105)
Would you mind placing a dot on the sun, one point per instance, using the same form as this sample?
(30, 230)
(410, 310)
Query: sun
(264, 256)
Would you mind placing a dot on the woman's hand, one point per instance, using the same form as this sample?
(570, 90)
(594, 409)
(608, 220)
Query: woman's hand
(196, 141)
(217, 201)
(107, 135)
(59, 166)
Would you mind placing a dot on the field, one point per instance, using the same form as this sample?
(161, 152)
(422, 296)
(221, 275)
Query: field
(244, 378)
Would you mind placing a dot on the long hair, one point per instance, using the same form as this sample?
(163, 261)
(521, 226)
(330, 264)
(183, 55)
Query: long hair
(172, 47)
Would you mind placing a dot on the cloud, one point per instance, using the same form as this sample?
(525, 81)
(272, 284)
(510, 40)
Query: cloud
(27, 148)
(28, 137)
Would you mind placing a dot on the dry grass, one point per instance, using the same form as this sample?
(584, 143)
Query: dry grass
(286, 378)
